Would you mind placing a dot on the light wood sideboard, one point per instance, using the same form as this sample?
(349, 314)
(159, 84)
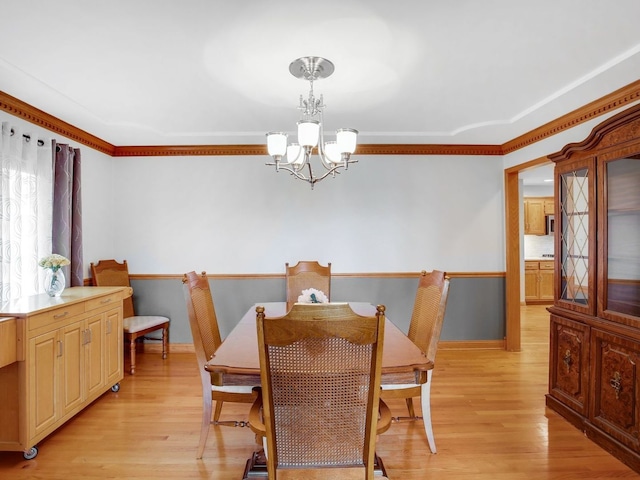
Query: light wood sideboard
(58, 355)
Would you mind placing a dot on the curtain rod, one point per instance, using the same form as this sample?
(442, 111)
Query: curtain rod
(28, 138)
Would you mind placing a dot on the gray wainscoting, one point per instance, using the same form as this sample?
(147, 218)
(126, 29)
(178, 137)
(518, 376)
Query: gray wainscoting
(475, 309)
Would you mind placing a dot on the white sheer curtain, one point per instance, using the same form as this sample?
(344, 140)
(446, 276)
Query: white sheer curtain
(25, 211)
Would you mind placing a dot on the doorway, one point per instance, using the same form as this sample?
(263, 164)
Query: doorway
(513, 341)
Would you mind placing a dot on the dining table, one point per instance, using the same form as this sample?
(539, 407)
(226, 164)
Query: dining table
(237, 362)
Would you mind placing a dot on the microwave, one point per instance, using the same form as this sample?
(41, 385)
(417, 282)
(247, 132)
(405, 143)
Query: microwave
(551, 224)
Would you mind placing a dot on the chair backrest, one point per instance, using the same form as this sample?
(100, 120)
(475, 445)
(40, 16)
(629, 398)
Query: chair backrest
(306, 274)
(110, 273)
(320, 371)
(202, 316)
(428, 311)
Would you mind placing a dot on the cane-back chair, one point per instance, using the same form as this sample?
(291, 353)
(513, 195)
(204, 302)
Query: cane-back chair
(319, 404)
(424, 330)
(206, 340)
(109, 273)
(304, 275)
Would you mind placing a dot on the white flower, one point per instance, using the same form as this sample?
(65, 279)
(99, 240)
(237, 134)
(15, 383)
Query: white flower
(53, 261)
(311, 295)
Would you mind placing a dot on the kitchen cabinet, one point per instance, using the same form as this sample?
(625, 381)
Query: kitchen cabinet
(536, 210)
(594, 381)
(69, 351)
(534, 218)
(538, 281)
(549, 206)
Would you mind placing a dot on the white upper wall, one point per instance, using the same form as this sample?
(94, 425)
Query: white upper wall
(236, 215)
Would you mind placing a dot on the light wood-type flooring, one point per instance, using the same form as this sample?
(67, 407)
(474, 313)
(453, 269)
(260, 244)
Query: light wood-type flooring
(489, 420)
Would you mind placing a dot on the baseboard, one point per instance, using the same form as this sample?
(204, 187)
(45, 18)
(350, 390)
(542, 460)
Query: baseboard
(443, 345)
(173, 347)
(472, 345)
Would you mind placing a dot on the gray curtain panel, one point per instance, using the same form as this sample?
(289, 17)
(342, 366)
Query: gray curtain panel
(67, 210)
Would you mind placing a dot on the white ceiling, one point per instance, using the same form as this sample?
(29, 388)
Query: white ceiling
(149, 72)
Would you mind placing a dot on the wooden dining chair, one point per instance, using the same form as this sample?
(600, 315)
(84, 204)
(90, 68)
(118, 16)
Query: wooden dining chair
(108, 273)
(206, 340)
(306, 274)
(319, 404)
(424, 330)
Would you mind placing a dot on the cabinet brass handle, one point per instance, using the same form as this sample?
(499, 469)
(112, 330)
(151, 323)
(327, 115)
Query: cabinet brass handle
(59, 348)
(107, 300)
(616, 383)
(567, 359)
(60, 315)
(108, 326)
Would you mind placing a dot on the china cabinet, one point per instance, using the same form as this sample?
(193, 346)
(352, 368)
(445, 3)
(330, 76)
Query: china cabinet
(594, 380)
(67, 351)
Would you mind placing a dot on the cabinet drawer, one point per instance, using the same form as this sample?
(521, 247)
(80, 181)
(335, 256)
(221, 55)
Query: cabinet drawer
(52, 317)
(531, 265)
(569, 363)
(546, 265)
(107, 301)
(616, 387)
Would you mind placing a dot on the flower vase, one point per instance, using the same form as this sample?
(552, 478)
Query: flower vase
(54, 282)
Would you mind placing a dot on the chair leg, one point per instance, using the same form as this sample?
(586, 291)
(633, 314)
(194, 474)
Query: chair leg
(218, 411)
(425, 400)
(206, 420)
(412, 412)
(132, 355)
(165, 341)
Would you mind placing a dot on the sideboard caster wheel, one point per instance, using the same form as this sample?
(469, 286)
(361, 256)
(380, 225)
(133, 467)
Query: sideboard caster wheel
(31, 453)
(115, 388)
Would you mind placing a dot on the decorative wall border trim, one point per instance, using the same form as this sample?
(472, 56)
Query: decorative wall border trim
(36, 116)
(608, 103)
(255, 276)
(261, 150)
(263, 276)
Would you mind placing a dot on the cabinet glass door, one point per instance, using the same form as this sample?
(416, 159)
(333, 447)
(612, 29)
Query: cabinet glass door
(575, 276)
(621, 259)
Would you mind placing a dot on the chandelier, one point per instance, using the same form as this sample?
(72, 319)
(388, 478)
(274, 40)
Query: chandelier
(295, 158)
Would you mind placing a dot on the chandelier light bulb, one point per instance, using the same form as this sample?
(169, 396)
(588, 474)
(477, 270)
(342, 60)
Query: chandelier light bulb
(332, 151)
(308, 133)
(276, 143)
(346, 138)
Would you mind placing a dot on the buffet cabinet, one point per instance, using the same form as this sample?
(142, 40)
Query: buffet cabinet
(66, 352)
(594, 375)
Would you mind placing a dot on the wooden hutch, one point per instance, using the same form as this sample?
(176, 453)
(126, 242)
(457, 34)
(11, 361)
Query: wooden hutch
(594, 367)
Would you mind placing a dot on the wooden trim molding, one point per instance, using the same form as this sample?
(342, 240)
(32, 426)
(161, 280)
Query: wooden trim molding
(610, 102)
(619, 98)
(427, 149)
(253, 276)
(471, 345)
(36, 116)
(260, 150)
(189, 150)
(156, 348)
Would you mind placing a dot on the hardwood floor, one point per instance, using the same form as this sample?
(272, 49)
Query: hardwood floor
(489, 421)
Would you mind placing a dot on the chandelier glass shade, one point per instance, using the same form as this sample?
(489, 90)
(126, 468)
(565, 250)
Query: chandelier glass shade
(295, 158)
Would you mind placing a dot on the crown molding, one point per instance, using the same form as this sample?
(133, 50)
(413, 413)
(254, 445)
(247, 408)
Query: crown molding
(367, 149)
(608, 103)
(36, 116)
(613, 101)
